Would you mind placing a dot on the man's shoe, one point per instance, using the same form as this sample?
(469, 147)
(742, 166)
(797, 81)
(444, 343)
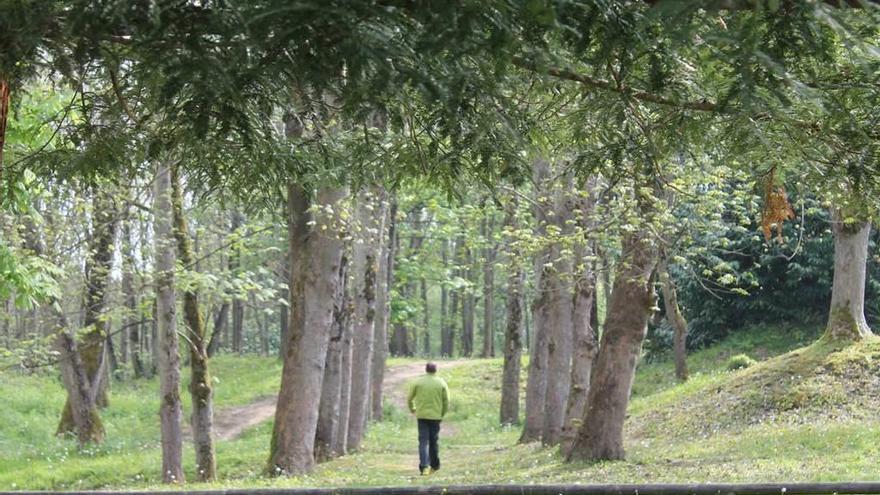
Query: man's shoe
(424, 471)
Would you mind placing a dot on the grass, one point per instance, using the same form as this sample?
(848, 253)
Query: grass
(800, 413)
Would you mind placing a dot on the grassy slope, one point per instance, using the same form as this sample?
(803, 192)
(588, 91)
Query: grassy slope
(805, 415)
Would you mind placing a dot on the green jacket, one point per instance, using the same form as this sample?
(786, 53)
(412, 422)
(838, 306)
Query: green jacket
(428, 397)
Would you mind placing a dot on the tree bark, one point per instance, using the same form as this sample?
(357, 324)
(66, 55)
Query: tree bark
(846, 317)
(315, 267)
(676, 321)
(201, 391)
(513, 330)
(467, 300)
(383, 310)
(365, 257)
(630, 307)
(284, 309)
(166, 315)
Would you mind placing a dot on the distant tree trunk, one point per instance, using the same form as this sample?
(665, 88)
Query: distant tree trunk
(331, 388)
(97, 275)
(513, 330)
(601, 433)
(846, 318)
(365, 257)
(221, 322)
(166, 315)
(453, 316)
(536, 387)
(237, 303)
(81, 404)
(445, 331)
(467, 301)
(314, 281)
(127, 345)
(200, 388)
(676, 321)
(489, 289)
(383, 309)
(426, 318)
(263, 327)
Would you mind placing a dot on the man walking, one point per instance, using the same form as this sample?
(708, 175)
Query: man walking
(428, 400)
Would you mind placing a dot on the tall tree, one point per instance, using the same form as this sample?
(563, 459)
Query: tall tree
(676, 321)
(315, 260)
(846, 317)
(513, 329)
(331, 389)
(383, 308)
(200, 388)
(488, 226)
(170, 408)
(371, 206)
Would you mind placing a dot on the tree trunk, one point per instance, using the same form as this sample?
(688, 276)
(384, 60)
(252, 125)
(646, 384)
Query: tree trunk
(536, 386)
(426, 318)
(630, 307)
(221, 321)
(676, 321)
(445, 331)
(340, 439)
(97, 274)
(846, 318)
(383, 310)
(316, 267)
(585, 348)
(489, 290)
(557, 285)
(331, 388)
(166, 314)
(200, 388)
(365, 257)
(513, 330)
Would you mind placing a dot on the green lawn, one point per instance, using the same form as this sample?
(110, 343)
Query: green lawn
(805, 415)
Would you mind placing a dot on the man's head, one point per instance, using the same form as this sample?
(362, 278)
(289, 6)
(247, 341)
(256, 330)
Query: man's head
(431, 368)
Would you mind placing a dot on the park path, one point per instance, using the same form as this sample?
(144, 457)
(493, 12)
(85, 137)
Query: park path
(231, 422)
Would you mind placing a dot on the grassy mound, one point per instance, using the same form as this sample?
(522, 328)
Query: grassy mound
(823, 381)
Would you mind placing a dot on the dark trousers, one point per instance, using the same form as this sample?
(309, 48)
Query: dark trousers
(429, 451)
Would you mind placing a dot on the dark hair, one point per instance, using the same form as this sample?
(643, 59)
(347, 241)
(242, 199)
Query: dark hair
(431, 368)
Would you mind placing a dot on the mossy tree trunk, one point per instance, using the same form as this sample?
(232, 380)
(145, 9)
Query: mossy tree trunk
(93, 347)
(846, 317)
(200, 376)
(170, 408)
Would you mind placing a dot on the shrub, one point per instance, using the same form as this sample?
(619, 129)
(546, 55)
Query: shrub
(738, 362)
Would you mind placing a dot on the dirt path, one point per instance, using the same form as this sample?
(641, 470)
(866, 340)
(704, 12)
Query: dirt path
(231, 422)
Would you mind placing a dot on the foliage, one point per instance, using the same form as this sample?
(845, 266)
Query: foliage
(739, 361)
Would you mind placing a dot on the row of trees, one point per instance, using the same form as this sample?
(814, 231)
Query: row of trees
(626, 129)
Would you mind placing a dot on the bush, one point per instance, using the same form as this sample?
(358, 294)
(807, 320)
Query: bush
(739, 361)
